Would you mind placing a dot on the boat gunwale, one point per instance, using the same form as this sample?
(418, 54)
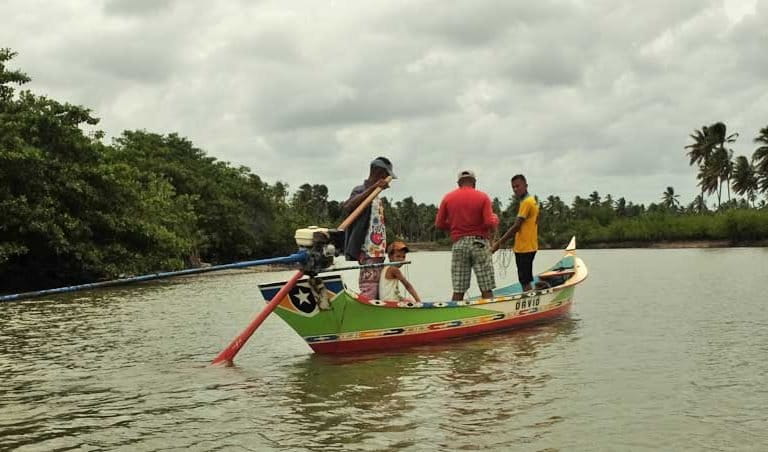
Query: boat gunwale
(580, 274)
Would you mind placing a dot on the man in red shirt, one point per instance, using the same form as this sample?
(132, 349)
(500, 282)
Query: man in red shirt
(467, 214)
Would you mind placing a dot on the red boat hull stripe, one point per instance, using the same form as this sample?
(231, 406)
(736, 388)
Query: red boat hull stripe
(439, 332)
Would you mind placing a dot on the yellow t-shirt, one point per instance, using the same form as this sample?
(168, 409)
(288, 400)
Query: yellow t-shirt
(527, 238)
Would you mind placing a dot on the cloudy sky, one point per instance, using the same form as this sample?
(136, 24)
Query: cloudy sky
(579, 95)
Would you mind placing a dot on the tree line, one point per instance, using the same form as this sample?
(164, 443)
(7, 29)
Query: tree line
(74, 209)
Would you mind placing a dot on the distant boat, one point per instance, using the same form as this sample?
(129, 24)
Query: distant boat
(333, 319)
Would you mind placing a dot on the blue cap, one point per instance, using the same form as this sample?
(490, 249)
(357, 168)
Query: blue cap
(384, 163)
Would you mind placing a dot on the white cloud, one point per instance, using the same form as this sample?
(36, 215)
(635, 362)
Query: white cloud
(579, 96)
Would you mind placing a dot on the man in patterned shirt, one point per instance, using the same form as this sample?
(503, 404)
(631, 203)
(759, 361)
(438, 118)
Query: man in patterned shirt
(366, 239)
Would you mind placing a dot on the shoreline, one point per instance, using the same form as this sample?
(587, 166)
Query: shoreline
(678, 244)
(660, 244)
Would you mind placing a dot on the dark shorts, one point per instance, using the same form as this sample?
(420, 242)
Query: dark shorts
(524, 263)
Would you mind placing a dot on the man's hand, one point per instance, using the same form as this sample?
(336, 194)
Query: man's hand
(494, 247)
(382, 183)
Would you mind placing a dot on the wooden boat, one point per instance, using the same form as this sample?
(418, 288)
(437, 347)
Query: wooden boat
(333, 319)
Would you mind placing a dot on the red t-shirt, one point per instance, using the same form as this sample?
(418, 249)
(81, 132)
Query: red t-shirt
(466, 212)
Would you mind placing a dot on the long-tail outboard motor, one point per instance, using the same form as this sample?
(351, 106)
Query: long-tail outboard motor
(322, 245)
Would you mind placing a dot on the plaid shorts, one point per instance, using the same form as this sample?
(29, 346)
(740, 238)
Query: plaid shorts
(472, 253)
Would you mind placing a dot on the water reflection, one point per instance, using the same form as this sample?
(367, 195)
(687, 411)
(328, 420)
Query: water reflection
(417, 395)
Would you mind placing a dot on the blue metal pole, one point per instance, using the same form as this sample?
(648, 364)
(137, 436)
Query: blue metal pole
(293, 258)
(361, 267)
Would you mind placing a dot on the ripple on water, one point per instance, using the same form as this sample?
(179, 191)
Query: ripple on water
(662, 359)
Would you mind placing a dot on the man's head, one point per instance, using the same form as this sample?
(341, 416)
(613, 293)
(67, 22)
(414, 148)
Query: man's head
(466, 178)
(397, 251)
(381, 167)
(519, 185)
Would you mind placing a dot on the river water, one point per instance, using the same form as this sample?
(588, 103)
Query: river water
(664, 350)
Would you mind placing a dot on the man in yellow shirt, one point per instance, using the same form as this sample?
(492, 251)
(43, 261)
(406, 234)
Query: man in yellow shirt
(525, 230)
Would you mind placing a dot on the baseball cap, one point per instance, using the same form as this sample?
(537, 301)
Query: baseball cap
(384, 163)
(397, 245)
(466, 173)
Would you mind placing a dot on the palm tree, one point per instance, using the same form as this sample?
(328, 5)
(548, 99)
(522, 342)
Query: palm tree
(621, 207)
(580, 208)
(744, 179)
(701, 147)
(760, 160)
(409, 217)
(724, 156)
(608, 201)
(594, 199)
(669, 199)
(698, 205)
(554, 206)
(699, 153)
(709, 144)
(727, 172)
(722, 161)
(708, 179)
(496, 205)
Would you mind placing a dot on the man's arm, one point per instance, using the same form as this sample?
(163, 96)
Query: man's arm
(441, 219)
(508, 235)
(490, 219)
(355, 200)
(523, 212)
